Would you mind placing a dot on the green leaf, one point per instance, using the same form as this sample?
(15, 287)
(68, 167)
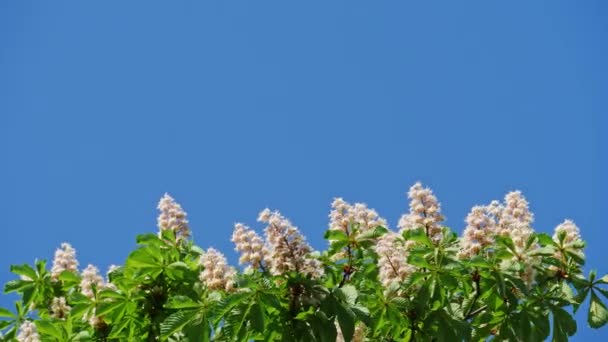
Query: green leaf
(142, 258)
(177, 270)
(545, 239)
(603, 280)
(598, 314)
(563, 324)
(48, 328)
(24, 270)
(69, 277)
(335, 235)
(147, 239)
(418, 235)
(350, 293)
(17, 285)
(543, 251)
(578, 256)
(417, 260)
(346, 320)
(6, 313)
(175, 322)
(480, 262)
(372, 234)
(257, 317)
(181, 302)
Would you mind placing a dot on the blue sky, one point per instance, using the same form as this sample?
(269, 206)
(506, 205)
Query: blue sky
(235, 106)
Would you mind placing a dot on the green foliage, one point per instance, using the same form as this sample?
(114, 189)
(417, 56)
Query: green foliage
(157, 295)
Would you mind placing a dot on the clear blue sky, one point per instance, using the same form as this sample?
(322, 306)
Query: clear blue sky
(235, 106)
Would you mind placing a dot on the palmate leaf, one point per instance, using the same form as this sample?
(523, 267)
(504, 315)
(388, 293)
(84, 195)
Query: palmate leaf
(346, 320)
(176, 322)
(598, 314)
(5, 313)
(563, 324)
(24, 270)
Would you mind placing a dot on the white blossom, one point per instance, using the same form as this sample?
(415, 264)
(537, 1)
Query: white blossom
(479, 232)
(289, 250)
(251, 246)
(216, 274)
(392, 260)
(90, 279)
(425, 212)
(344, 215)
(28, 332)
(65, 260)
(571, 230)
(172, 217)
(59, 308)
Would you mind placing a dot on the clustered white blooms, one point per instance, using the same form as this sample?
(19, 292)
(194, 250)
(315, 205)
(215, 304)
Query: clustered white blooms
(65, 260)
(358, 335)
(425, 212)
(512, 219)
(216, 274)
(479, 232)
(172, 217)
(570, 229)
(90, 279)
(515, 219)
(28, 332)
(392, 260)
(289, 250)
(59, 308)
(251, 247)
(572, 234)
(343, 215)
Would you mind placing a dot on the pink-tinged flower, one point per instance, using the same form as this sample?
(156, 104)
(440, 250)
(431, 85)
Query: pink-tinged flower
(251, 247)
(425, 212)
(65, 260)
(90, 279)
(288, 248)
(59, 308)
(571, 230)
(173, 217)
(479, 232)
(28, 332)
(392, 260)
(514, 219)
(572, 234)
(344, 215)
(216, 274)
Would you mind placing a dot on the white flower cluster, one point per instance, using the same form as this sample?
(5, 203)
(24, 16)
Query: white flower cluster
(59, 308)
(251, 247)
(392, 259)
(65, 260)
(288, 248)
(571, 230)
(28, 332)
(173, 217)
(479, 232)
(343, 215)
(90, 279)
(572, 234)
(512, 219)
(216, 274)
(515, 219)
(425, 212)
